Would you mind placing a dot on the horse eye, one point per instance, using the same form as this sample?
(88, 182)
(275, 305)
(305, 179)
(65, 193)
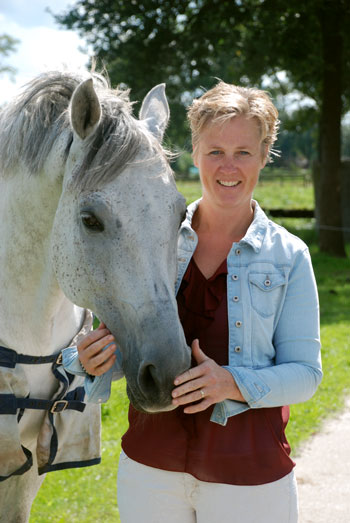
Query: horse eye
(91, 222)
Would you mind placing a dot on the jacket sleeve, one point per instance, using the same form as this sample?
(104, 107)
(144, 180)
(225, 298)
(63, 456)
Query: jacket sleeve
(297, 369)
(97, 388)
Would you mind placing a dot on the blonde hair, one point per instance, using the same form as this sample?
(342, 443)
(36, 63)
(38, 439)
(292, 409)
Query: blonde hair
(225, 101)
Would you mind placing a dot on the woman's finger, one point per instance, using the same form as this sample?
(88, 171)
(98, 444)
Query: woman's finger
(197, 352)
(198, 407)
(191, 397)
(103, 355)
(92, 337)
(101, 369)
(188, 387)
(96, 347)
(194, 372)
(104, 359)
(189, 375)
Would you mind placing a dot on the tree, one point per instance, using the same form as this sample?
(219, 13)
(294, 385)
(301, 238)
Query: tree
(188, 42)
(7, 46)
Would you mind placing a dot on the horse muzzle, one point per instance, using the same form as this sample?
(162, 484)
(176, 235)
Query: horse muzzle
(149, 386)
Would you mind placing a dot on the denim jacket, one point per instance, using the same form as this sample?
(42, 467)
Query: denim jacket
(273, 313)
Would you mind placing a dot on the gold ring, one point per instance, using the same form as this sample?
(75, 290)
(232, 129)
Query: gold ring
(202, 393)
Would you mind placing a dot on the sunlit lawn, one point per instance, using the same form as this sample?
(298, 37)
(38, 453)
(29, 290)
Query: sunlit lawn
(89, 495)
(278, 194)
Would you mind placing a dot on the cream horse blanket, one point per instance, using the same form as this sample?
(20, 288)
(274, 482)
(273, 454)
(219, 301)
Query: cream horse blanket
(67, 438)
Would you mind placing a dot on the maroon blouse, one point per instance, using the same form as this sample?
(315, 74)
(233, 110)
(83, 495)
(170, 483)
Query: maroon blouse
(251, 449)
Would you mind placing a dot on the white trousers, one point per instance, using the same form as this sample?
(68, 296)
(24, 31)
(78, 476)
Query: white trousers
(150, 495)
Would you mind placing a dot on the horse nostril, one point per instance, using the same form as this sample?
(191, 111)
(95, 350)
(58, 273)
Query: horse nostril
(151, 391)
(148, 379)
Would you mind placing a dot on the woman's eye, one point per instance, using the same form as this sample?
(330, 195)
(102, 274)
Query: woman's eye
(91, 222)
(243, 153)
(215, 153)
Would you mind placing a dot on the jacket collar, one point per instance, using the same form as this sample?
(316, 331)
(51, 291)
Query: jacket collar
(257, 229)
(191, 209)
(255, 234)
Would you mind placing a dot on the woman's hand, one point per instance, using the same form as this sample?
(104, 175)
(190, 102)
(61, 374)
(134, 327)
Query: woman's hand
(93, 358)
(207, 384)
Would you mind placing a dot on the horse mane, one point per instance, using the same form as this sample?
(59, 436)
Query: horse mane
(31, 124)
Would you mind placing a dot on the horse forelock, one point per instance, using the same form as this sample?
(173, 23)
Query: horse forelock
(32, 123)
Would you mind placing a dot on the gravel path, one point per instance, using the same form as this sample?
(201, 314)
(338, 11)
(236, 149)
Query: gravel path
(323, 473)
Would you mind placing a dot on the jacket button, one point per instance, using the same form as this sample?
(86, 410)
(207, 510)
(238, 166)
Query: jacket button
(181, 260)
(267, 283)
(238, 252)
(238, 349)
(235, 298)
(234, 277)
(238, 323)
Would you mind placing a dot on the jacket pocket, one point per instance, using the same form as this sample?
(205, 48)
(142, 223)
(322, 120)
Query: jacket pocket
(266, 291)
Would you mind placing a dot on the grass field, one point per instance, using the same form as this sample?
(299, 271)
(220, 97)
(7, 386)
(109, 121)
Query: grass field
(286, 194)
(89, 495)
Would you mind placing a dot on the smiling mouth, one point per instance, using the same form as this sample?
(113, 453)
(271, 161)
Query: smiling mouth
(228, 184)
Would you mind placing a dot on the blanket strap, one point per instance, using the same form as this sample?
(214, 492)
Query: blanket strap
(9, 404)
(73, 400)
(9, 358)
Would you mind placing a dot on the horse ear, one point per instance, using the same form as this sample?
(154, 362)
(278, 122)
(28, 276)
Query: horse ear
(155, 111)
(85, 111)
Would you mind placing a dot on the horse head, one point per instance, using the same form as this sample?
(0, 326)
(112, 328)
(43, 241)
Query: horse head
(114, 238)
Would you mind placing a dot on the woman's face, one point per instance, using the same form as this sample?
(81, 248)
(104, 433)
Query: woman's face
(229, 157)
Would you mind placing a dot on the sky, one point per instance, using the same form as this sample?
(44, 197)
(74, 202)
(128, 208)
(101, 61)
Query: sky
(43, 44)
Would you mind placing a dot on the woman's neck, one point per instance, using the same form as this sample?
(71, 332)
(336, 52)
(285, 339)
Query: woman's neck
(231, 223)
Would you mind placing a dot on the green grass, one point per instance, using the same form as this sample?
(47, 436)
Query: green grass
(333, 281)
(89, 495)
(286, 194)
(191, 189)
(307, 418)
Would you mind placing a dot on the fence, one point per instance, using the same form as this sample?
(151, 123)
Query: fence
(283, 176)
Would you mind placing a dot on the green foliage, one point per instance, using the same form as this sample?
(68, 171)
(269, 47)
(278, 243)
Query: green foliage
(183, 164)
(297, 137)
(188, 43)
(7, 46)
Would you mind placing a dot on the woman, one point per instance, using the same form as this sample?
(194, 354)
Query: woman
(248, 304)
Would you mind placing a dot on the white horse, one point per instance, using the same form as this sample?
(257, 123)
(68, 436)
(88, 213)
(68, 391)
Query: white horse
(89, 216)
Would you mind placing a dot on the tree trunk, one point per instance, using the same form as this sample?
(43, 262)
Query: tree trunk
(330, 210)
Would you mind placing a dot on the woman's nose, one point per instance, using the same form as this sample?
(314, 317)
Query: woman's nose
(229, 164)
